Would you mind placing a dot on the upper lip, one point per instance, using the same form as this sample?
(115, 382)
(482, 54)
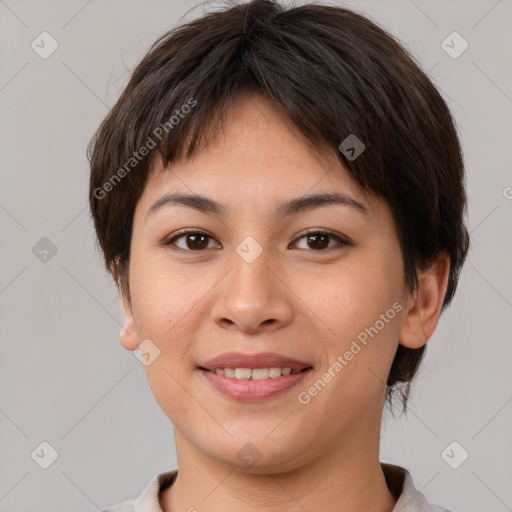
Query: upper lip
(262, 360)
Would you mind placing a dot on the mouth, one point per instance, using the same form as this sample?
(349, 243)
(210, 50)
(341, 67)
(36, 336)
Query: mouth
(253, 377)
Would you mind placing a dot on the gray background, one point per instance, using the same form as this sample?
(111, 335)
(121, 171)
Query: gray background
(64, 377)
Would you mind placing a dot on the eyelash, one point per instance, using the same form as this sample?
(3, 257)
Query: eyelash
(171, 241)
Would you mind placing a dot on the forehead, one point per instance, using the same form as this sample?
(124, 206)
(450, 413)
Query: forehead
(257, 158)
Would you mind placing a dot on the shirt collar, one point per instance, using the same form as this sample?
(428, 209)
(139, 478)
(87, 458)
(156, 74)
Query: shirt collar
(410, 499)
(149, 500)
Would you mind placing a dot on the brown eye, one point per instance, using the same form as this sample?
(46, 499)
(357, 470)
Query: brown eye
(194, 241)
(319, 240)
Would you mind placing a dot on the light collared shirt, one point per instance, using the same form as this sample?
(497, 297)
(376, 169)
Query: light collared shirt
(398, 479)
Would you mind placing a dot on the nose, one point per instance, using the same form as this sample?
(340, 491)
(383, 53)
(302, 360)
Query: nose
(253, 297)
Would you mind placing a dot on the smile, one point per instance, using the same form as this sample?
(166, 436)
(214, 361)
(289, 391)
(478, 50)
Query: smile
(255, 373)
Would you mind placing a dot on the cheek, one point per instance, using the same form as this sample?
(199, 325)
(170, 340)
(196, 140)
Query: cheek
(362, 312)
(162, 295)
(347, 300)
(361, 305)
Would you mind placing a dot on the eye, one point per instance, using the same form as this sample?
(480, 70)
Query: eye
(320, 240)
(198, 240)
(194, 240)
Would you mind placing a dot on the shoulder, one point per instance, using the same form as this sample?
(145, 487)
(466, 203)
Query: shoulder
(148, 501)
(127, 506)
(410, 499)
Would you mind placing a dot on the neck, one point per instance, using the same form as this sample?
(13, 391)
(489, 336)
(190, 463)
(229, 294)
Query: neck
(347, 478)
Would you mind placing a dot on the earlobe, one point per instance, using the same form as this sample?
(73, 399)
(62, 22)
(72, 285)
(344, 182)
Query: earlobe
(425, 307)
(128, 336)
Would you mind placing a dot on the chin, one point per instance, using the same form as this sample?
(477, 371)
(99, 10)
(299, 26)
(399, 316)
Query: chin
(259, 456)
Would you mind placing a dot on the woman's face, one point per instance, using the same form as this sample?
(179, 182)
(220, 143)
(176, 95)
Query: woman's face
(319, 287)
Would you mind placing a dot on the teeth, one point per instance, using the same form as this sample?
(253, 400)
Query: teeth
(274, 372)
(243, 373)
(259, 373)
(255, 373)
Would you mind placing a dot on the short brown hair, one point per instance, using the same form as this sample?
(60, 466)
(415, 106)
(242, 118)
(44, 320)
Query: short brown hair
(334, 73)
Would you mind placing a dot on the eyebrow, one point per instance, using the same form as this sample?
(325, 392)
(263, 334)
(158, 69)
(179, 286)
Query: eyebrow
(293, 206)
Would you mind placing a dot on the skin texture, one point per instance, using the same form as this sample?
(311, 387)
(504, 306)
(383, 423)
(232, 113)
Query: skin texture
(294, 299)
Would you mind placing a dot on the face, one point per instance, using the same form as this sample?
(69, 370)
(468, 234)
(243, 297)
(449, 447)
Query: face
(317, 288)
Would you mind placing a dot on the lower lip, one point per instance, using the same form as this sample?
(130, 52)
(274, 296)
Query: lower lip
(253, 390)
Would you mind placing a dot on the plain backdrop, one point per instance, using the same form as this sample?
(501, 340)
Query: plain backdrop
(64, 378)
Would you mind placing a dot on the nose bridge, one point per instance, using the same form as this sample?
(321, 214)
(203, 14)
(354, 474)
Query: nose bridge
(251, 273)
(252, 296)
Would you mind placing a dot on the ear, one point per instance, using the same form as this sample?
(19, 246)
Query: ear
(128, 335)
(425, 306)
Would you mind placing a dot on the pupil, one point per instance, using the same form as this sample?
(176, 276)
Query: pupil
(319, 245)
(195, 244)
